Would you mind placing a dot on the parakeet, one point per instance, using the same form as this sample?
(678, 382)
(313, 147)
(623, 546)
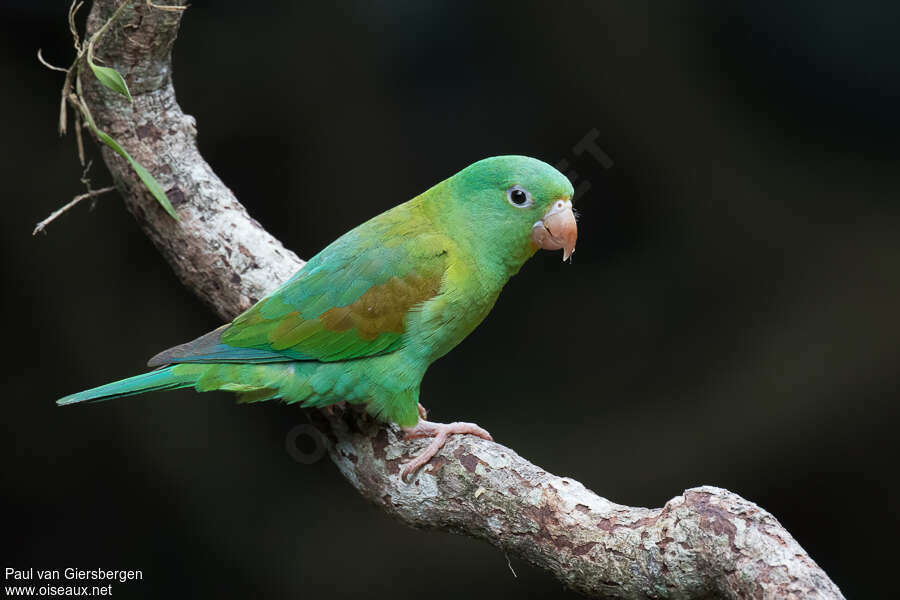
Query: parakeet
(362, 321)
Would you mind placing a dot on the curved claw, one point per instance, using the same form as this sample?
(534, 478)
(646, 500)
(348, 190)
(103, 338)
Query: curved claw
(440, 432)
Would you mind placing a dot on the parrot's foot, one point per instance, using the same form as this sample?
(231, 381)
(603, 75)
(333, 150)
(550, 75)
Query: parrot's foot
(423, 413)
(440, 432)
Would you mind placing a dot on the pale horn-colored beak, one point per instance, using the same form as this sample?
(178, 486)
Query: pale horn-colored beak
(557, 229)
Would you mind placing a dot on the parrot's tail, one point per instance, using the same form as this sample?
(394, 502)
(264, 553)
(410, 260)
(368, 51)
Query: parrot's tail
(252, 382)
(308, 383)
(161, 379)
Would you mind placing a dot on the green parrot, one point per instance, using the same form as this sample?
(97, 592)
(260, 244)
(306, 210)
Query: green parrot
(362, 321)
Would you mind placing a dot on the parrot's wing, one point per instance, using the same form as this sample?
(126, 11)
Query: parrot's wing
(350, 301)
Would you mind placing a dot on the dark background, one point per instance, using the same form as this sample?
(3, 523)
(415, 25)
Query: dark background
(732, 310)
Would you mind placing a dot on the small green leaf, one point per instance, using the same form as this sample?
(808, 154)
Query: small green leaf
(111, 79)
(143, 173)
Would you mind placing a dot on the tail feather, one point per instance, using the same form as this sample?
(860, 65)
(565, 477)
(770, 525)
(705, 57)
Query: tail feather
(307, 383)
(161, 379)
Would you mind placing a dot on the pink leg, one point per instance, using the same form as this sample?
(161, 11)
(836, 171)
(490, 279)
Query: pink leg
(440, 432)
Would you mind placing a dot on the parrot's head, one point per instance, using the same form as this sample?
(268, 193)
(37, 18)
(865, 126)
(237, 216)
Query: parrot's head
(514, 205)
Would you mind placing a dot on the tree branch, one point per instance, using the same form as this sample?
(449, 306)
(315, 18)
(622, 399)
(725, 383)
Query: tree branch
(705, 543)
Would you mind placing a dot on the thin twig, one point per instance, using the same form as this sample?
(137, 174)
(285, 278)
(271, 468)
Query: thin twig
(73, 8)
(509, 564)
(48, 65)
(87, 182)
(66, 91)
(79, 139)
(56, 213)
(79, 101)
(167, 7)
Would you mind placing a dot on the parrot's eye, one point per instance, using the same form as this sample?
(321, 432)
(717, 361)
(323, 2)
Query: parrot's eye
(518, 196)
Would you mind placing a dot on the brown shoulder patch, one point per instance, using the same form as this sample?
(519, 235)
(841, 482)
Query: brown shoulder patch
(382, 308)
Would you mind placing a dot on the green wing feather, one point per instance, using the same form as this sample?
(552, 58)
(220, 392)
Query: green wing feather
(349, 301)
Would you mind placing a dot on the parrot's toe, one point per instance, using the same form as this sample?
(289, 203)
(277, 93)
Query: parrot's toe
(423, 413)
(440, 432)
